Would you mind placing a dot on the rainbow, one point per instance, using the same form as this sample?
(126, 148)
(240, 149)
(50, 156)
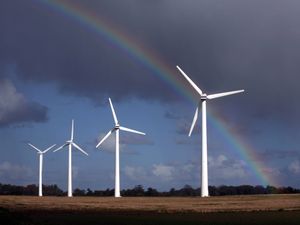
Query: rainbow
(240, 146)
(132, 48)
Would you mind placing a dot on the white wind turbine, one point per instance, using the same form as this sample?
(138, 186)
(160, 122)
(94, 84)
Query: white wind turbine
(203, 98)
(41, 153)
(117, 129)
(70, 143)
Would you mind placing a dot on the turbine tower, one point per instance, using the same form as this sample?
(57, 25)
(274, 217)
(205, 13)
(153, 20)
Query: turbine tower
(70, 143)
(117, 129)
(203, 98)
(41, 153)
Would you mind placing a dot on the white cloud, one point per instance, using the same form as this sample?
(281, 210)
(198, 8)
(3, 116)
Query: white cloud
(295, 167)
(15, 108)
(218, 161)
(163, 171)
(165, 174)
(135, 173)
(109, 144)
(222, 170)
(237, 170)
(10, 99)
(271, 171)
(188, 167)
(227, 169)
(12, 172)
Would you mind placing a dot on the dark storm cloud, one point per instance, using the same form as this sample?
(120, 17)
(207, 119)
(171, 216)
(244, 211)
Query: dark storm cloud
(16, 109)
(47, 47)
(222, 45)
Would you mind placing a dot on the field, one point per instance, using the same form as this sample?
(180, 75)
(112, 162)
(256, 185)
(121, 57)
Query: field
(255, 209)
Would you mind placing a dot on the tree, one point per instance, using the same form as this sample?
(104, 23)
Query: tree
(151, 192)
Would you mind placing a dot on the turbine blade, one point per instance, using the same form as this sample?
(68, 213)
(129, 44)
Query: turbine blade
(105, 137)
(48, 149)
(113, 111)
(190, 81)
(131, 130)
(35, 147)
(72, 130)
(64, 145)
(219, 95)
(80, 149)
(194, 120)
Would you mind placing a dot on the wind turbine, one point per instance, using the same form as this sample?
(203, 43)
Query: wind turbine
(70, 143)
(203, 98)
(117, 129)
(41, 153)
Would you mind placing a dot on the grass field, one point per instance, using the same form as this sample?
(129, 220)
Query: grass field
(254, 209)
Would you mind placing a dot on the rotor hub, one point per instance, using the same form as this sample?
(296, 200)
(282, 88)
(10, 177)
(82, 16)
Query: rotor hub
(204, 97)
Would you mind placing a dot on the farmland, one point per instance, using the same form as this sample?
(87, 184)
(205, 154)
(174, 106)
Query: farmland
(254, 209)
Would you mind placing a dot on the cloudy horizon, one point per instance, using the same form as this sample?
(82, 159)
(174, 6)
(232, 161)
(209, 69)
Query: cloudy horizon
(55, 67)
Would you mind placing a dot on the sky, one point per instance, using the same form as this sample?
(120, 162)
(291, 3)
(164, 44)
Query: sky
(61, 60)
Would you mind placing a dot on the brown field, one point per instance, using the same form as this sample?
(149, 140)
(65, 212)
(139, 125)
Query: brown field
(154, 204)
(254, 209)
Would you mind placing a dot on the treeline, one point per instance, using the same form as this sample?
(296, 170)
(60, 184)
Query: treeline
(54, 190)
(32, 189)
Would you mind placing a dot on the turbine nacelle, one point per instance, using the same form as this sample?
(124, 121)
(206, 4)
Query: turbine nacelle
(203, 97)
(117, 126)
(71, 142)
(40, 151)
